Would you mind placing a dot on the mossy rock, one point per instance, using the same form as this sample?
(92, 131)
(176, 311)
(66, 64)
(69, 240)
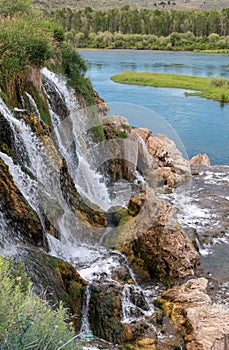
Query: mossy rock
(23, 223)
(55, 280)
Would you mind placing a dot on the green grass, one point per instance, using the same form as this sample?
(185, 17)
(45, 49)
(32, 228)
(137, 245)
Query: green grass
(211, 88)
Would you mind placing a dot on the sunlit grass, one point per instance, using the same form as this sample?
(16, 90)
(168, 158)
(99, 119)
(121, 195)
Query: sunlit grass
(212, 88)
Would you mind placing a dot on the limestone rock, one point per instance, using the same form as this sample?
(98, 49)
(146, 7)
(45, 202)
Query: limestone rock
(101, 105)
(23, 224)
(7, 139)
(154, 241)
(174, 168)
(203, 325)
(199, 162)
(55, 280)
(106, 313)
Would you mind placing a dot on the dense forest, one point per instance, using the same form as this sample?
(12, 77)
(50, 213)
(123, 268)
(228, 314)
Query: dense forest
(144, 21)
(146, 29)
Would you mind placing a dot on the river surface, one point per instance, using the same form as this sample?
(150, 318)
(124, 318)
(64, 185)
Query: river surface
(202, 125)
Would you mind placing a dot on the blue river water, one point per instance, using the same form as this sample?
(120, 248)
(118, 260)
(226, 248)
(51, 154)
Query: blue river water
(202, 125)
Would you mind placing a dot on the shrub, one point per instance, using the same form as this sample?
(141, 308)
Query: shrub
(26, 321)
(26, 40)
(23, 42)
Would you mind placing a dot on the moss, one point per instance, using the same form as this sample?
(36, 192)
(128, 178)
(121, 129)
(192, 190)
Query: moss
(18, 211)
(97, 133)
(71, 283)
(41, 105)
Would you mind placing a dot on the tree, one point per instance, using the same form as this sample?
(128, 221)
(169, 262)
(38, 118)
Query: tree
(12, 7)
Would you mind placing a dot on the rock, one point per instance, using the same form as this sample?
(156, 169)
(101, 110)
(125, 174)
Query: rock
(120, 163)
(136, 203)
(146, 344)
(100, 104)
(173, 167)
(55, 98)
(106, 313)
(155, 243)
(55, 280)
(199, 162)
(23, 224)
(6, 135)
(89, 213)
(202, 324)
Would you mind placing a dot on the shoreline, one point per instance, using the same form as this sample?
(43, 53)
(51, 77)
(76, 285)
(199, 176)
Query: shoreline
(217, 52)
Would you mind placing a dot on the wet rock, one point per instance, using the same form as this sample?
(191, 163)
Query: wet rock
(55, 280)
(6, 136)
(121, 163)
(155, 243)
(55, 98)
(136, 203)
(23, 224)
(88, 212)
(106, 313)
(203, 325)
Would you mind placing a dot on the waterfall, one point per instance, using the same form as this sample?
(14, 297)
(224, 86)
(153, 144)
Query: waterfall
(69, 134)
(27, 186)
(85, 330)
(37, 176)
(33, 106)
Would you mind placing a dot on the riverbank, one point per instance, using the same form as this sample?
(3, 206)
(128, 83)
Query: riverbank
(211, 88)
(224, 52)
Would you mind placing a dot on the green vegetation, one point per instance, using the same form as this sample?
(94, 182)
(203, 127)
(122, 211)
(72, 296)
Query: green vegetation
(212, 88)
(146, 29)
(144, 21)
(26, 321)
(28, 40)
(10, 8)
(23, 43)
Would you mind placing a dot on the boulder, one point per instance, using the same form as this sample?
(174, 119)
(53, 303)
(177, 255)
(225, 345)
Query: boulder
(174, 169)
(154, 242)
(202, 324)
(199, 162)
(54, 280)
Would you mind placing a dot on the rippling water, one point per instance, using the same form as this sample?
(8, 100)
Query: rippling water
(202, 125)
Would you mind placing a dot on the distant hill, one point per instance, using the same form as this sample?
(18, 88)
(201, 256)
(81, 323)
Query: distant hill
(150, 4)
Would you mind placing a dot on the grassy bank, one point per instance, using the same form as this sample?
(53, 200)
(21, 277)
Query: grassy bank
(212, 88)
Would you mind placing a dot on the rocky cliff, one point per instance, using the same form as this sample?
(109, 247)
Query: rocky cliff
(40, 151)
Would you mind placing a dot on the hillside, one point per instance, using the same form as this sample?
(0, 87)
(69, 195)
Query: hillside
(150, 4)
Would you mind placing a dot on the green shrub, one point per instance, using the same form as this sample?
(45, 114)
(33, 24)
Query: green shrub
(73, 65)
(12, 7)
(26, 321)
(23, 42)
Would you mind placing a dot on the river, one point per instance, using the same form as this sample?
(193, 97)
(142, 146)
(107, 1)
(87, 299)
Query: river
(202, 125)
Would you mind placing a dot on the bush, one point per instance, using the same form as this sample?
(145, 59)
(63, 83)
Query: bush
(26, 321)
(26, 41)
(74, 68)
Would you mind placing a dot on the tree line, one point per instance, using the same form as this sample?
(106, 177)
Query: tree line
(144, 21)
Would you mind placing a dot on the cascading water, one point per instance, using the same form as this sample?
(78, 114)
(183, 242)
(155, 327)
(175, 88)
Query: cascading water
(33, 106)
(40, 185)
(96, 264)
(89, 183)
